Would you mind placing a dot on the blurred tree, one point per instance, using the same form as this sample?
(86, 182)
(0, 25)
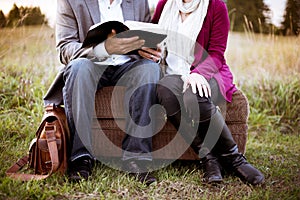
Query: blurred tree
(14, 16)
(32, 16)
(291, 22)
(24, 16)
(248, 15)
(2, 19)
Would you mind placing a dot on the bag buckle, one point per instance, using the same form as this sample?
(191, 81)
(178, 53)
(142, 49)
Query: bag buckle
(50, 128)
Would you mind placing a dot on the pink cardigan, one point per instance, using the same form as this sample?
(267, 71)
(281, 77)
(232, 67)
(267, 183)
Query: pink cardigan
(212, 39)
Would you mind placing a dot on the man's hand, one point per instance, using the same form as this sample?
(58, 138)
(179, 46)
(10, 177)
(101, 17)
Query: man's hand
(151, 54)
(197, 82)
(114, 45)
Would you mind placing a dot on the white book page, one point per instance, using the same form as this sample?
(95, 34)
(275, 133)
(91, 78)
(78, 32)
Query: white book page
(135, 25)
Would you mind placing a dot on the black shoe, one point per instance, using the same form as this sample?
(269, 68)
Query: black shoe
(139, 171)
(80, 169)
(228, 154)
(246, 172)
(212, 169)
(236, 163)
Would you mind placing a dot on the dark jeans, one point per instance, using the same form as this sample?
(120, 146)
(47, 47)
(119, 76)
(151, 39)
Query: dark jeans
(83, 78)
(190, 113)
(169, 93)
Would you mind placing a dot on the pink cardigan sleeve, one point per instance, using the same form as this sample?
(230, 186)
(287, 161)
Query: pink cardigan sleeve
(217, 42)
(158, 10)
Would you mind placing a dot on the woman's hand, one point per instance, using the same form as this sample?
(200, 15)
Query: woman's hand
(114, 45)
(197, 82)
(151, 54)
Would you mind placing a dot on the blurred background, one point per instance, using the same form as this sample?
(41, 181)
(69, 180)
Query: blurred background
(263, 54)
(280, 16)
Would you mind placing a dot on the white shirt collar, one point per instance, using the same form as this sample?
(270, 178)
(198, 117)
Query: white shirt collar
(109, 11)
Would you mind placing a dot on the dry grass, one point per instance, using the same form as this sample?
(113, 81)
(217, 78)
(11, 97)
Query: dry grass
(262, 66)
(255, 57)
(27, 50)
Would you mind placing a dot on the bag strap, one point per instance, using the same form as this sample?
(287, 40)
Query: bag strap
(12, 172)
(18, 165)
(52, 146)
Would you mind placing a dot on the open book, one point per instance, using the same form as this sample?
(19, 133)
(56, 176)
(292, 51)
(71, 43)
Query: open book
(151, 33)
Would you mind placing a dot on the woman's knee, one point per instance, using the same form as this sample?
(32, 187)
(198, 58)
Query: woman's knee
(200, 108)
(168, 99)
(163, 93)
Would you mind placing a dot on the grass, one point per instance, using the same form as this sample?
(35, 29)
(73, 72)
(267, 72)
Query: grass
(266, 68)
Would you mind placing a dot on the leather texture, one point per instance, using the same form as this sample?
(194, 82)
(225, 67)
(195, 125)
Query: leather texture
(48, 151)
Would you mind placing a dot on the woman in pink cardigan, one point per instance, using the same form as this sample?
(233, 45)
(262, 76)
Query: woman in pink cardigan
(197, 79)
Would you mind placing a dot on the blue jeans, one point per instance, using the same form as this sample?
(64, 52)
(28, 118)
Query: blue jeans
(83, 78)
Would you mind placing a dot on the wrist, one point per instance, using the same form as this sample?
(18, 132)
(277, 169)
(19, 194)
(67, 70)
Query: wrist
(100, 51)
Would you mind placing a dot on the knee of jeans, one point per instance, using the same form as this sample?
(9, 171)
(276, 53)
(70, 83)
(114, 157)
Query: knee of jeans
(167, 99)
(150, 71)
(200, 108)
(82, 65)
(206, 110)
(163, 93)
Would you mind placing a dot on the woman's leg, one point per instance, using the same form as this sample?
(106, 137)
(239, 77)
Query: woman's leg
(169, 92)
(227, 151)
(209, 161)
(216, 137)
(218, 141)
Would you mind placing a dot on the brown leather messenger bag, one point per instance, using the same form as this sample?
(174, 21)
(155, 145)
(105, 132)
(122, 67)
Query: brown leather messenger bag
(48, 151)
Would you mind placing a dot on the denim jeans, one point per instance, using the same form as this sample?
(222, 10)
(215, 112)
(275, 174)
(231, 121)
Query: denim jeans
(83, 78)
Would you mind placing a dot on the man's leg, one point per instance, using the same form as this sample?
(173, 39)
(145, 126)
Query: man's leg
(81, 79)
(140, 78)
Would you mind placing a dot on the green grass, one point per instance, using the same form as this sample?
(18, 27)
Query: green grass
(266, 68)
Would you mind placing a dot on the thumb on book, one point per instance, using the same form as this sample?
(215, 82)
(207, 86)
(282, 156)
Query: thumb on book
(113, 33)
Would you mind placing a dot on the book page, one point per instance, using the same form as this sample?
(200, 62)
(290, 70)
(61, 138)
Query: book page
(146, 26)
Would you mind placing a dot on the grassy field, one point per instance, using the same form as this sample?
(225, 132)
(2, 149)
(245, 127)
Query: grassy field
(266, 68)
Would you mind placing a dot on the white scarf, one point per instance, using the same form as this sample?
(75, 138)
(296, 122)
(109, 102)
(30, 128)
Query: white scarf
(181, 42)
